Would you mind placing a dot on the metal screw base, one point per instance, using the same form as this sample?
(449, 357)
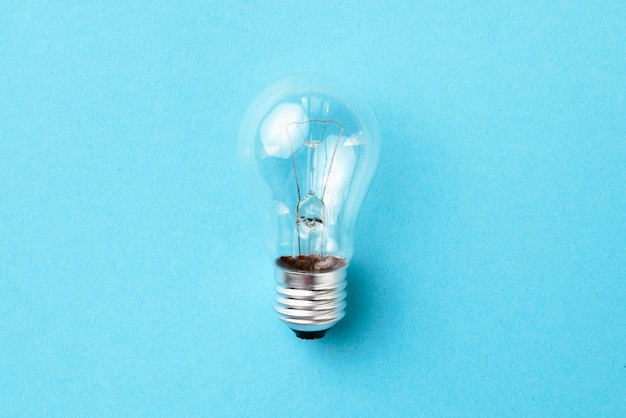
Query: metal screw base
(310, 302)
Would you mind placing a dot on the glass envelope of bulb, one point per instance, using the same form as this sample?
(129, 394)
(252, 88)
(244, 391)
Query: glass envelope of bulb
(312, 152)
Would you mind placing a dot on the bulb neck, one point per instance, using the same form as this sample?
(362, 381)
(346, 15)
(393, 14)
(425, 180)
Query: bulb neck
(310, 302)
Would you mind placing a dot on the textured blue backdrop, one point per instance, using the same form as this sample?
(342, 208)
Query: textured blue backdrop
(489, 275)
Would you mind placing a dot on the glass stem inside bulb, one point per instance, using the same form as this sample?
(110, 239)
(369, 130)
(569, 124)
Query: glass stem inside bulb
(310, 209)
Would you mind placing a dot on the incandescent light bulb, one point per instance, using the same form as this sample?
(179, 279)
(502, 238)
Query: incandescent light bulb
(317, 150)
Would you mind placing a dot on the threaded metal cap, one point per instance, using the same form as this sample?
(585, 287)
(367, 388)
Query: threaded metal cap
(310, 302)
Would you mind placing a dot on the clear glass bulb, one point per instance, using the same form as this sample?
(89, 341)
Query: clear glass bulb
(317, 149)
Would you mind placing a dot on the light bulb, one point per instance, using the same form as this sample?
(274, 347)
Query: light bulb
(317, 148)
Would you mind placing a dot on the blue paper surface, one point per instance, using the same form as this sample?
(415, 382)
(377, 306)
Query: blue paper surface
(489, 275)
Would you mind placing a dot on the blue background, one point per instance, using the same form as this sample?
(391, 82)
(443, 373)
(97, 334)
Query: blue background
(489, 275)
